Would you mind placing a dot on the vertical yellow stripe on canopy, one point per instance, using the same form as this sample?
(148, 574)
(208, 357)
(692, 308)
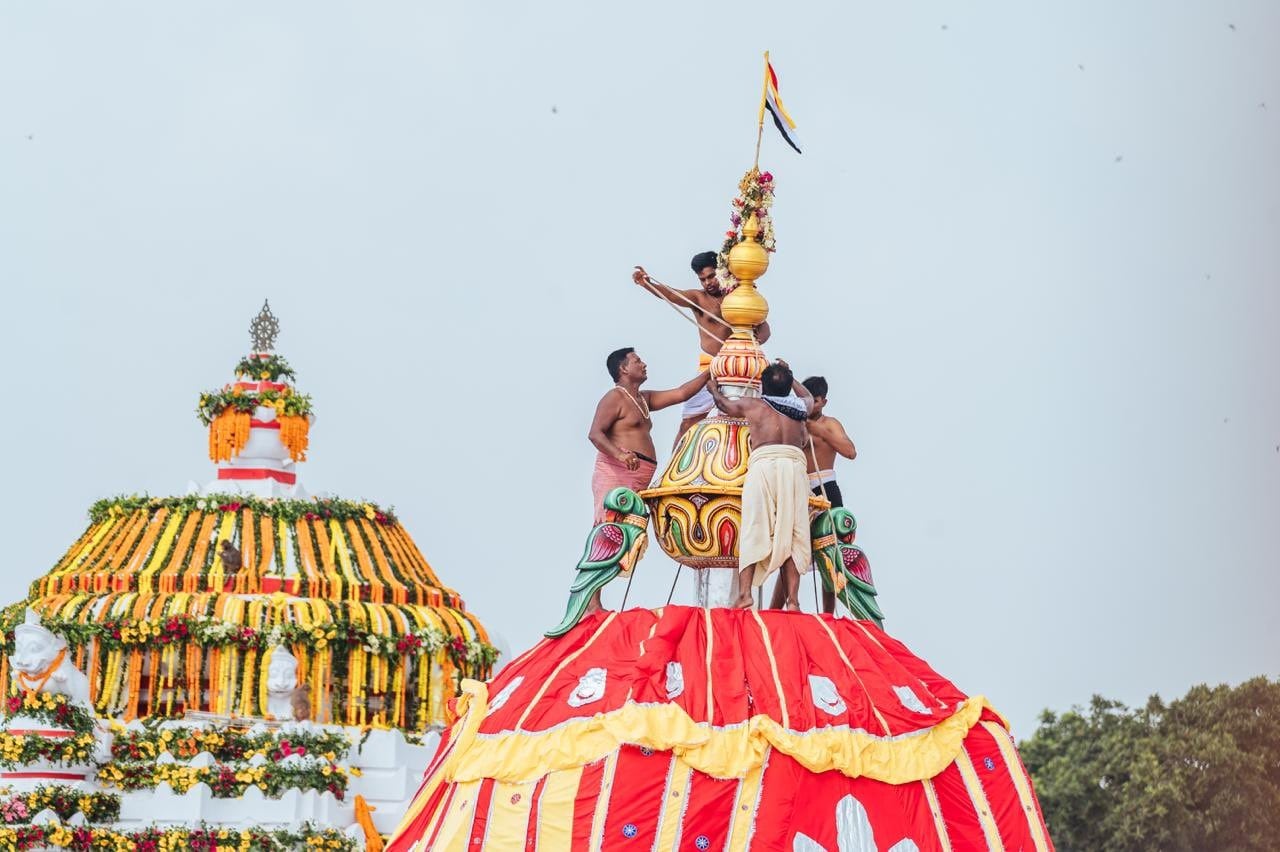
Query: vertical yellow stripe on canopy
(973, 784)
(554, 831)
(602, 802)
(1014, 765)
(745, 805)
(939, 824)
(509, 816)
(456, 829)
(674, 799)
(773, 668)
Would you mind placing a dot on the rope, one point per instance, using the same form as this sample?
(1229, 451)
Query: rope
(822, 486)
(663, 296)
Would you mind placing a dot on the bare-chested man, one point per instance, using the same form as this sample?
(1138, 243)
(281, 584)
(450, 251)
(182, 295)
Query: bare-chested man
(711, 328)
(775, 495)
(828, 439)
(621, 429)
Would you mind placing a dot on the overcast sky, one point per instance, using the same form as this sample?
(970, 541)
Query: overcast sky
(1034, 252)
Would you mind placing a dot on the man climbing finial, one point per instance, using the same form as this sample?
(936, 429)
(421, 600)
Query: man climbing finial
(264, 329)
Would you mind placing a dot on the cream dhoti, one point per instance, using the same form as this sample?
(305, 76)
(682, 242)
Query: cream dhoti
(610, 473)
(775, 512)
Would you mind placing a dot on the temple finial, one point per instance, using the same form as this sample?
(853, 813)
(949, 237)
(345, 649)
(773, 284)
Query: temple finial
(264, 329)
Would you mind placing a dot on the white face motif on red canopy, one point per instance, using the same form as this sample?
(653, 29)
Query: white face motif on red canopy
(825, 696)
(505, 695)
(910, 700)
(675, 680)
(853, 832)
(590, 688)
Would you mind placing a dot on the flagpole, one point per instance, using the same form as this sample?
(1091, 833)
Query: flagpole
(764, 94)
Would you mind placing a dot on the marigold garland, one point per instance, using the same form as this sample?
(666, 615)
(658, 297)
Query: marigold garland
(228, 434)
(202, 838)
(294, 431)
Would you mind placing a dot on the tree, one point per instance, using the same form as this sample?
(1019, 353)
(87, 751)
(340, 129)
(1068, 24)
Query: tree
(1202, 772)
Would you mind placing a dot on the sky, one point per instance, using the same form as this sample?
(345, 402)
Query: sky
(1033, 250)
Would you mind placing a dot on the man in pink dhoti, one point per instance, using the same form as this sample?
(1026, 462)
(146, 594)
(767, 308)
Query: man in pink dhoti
(775, 494)
(622, 431)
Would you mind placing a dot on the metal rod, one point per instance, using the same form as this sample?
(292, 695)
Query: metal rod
(631, 575)
(672, 593)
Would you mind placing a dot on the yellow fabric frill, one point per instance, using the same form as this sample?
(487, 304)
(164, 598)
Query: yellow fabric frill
(730, 752)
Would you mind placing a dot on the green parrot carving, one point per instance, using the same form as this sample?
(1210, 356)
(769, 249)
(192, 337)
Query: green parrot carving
(613, 547)
(844, 568)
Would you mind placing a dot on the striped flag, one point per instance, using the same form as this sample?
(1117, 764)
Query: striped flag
(773, 103)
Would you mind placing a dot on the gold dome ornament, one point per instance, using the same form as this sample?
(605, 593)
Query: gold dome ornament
(744, 308)
(740, 363)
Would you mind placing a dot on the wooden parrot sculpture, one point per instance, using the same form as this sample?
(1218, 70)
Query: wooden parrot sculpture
(614, 547)
(844, 568)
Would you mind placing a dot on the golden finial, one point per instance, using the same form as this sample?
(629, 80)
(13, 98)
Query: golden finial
(745, 308)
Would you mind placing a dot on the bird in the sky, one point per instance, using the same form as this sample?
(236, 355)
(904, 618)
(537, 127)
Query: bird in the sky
(1119, 158)
(554, 110)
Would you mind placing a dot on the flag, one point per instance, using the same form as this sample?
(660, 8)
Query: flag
(773, 103)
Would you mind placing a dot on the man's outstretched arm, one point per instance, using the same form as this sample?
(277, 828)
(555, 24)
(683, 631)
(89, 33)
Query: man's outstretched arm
(679, 298)
(659, 400)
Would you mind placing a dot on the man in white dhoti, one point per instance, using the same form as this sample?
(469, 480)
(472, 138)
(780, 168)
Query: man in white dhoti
(775, 495)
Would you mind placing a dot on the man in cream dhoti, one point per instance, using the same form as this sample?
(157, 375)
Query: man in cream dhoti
(775, 495)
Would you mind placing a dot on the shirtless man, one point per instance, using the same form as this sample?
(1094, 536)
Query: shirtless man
(775, 495)
(828, 438)
(711, 328)
(621, 429)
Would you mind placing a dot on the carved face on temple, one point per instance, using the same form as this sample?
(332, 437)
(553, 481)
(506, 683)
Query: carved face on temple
(35, 646)
(282, 674)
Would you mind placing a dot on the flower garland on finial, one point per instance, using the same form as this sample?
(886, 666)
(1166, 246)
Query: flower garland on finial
(755, 195)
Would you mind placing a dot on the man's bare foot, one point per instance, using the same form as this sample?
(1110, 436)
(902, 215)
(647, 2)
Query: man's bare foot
(744, 601)
(791, 605)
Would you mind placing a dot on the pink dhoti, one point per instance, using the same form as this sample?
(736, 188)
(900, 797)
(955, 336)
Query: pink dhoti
(610, 474)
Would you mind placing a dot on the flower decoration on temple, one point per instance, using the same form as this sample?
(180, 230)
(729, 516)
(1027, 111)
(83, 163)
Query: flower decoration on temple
(50, 708)
(755, 196)
(281, 509)
(264, 367)
(160, 839)
(20, 807)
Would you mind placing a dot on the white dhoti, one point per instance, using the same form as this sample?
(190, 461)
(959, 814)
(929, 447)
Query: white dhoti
(775, 512)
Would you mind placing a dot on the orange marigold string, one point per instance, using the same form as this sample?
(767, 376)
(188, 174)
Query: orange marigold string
(228, 433)
(294, 431)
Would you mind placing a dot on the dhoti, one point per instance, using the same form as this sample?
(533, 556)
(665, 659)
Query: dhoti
(702, 401)
(775, 512)
(610, 473)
